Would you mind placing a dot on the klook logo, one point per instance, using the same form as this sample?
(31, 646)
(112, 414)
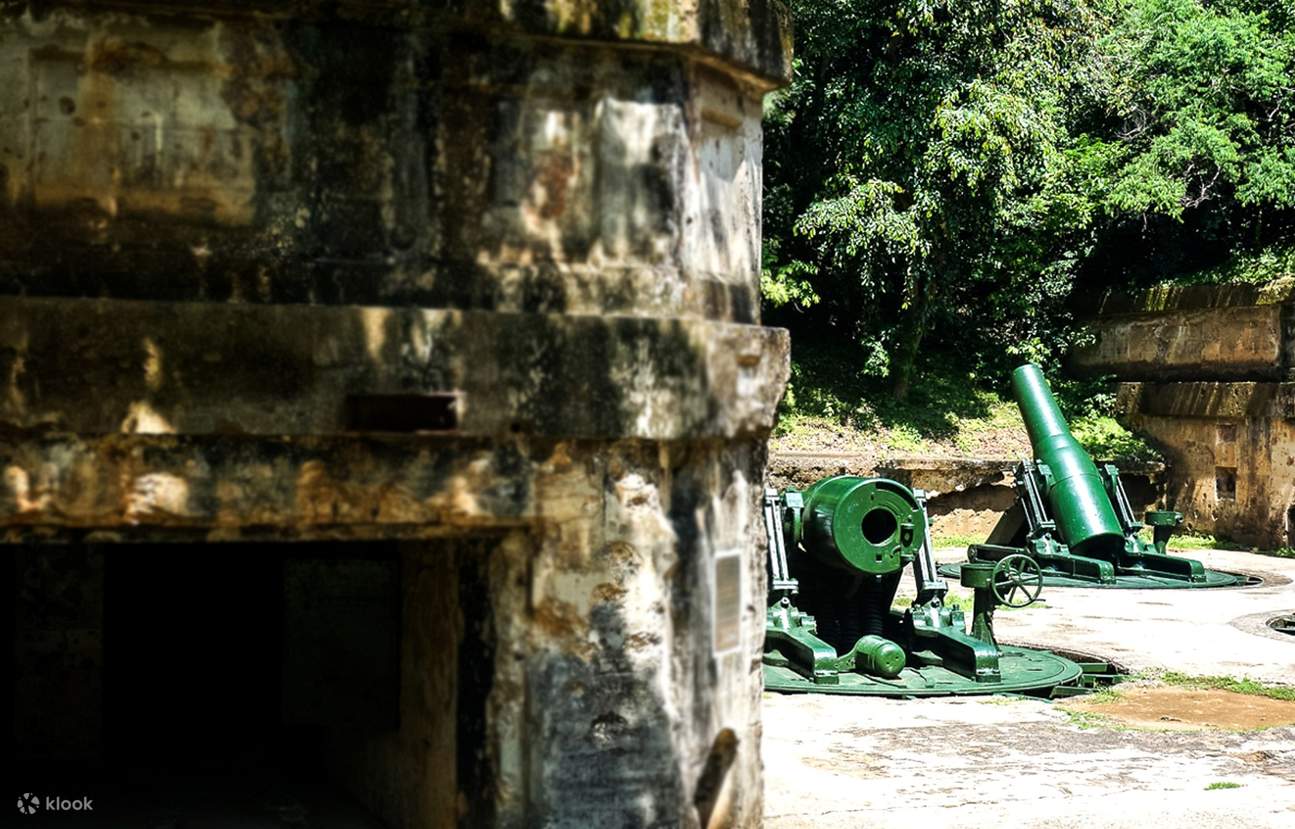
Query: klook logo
(30, 804)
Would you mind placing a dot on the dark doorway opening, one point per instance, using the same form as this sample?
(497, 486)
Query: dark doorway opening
(176, 684)
(192, 655)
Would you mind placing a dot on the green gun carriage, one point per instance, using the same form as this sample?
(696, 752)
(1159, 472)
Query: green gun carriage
(837, 552)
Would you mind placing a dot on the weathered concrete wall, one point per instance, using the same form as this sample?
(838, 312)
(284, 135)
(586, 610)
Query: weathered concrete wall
(259, 159)
(1193, 333)
(1231, 453)
(226, 227)
(1236, 342)
(1226, 426)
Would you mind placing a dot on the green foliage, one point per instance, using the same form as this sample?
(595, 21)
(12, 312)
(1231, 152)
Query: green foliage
(955, 178)
(1105, 439)
(1201, 93)
(1222, 784)
(835, 397)
(908, 168)
(1267, 266)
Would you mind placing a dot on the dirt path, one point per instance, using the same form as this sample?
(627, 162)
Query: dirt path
(1174, 708)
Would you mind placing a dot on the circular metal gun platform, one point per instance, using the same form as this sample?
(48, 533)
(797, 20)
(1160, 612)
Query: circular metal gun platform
(1283, 624)
(1024, 671)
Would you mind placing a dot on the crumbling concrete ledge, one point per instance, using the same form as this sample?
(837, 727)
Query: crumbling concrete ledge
(966, 496)
(1199, 332)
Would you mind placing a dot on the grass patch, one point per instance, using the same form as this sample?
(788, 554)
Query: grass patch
(1087, 720)
(966, 604)
(831, 383)
(1224, 683)
(1190, 542)
(955, 602)
(1106, 439)
(950, 601)
(1222, 784)
(1209, 542)
(955, 540)
(1103, 695)
(1038, 604)
(1206, 542)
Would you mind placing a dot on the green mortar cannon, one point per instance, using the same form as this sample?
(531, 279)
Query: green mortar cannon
(837, 552)
(1073, 517)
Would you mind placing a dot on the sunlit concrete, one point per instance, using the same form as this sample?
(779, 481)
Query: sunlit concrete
(849, 762)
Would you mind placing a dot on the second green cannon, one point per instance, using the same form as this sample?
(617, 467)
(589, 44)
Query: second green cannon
(1073, 517)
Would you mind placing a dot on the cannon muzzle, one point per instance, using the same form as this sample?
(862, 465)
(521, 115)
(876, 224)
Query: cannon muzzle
(863, 525)
(1078, 499)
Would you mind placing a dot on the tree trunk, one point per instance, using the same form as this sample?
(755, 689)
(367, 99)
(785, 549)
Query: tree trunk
(912, 328)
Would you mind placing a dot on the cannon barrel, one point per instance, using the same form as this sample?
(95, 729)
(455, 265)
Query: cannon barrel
(866, 525)
(1079, 503)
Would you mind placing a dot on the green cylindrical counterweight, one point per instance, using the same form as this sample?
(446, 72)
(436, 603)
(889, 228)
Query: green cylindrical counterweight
(1075, 493)
(866, 525)
(879, 656)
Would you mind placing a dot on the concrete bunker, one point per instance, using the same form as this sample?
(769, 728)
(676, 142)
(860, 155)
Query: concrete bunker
(468, 288)
(1205, 374)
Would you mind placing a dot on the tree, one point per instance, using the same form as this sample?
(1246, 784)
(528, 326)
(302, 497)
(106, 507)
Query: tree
(952, 174)
(1187, 145)
(908, 164)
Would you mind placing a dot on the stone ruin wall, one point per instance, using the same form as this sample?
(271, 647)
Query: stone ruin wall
(477, 279)
(1206, 374)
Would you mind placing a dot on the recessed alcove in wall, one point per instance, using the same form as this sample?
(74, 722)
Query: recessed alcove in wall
(1225, 483)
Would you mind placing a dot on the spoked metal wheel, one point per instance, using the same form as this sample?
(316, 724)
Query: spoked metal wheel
(1018, 581)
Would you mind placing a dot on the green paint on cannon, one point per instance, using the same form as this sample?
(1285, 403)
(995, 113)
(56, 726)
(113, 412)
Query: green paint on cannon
(1073, 519)
(836, 555)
